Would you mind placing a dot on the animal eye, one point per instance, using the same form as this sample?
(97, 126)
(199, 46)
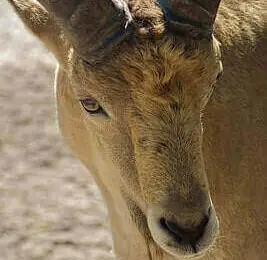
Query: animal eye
(91, 106)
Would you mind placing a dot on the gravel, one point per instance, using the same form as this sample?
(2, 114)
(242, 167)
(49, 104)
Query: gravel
(50, 208)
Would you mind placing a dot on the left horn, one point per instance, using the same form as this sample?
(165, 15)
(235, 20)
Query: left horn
(192, 18)
(92, 26)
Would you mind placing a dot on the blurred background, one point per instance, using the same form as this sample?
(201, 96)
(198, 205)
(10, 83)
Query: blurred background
(50, 208)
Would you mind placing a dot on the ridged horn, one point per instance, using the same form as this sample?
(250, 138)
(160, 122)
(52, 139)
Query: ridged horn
(93, 26)
(192, 18)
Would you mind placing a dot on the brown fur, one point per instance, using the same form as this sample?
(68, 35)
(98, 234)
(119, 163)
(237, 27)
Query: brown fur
(157, 91)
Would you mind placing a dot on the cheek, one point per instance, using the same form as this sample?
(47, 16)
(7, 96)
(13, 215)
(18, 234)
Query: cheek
(72, 124)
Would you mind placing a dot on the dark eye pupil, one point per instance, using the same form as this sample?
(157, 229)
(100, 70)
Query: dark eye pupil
(90, 105)
(89, 102)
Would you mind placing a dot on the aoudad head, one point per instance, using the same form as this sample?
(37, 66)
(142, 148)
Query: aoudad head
(132, 84)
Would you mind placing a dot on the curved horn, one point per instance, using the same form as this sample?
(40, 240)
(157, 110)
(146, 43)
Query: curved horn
(93, 26)
(194, 18)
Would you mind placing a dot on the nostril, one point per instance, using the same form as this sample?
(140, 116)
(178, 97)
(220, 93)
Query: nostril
(173, 228)
(185, 235)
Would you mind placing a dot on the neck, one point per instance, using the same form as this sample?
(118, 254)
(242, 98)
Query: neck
(128, 243)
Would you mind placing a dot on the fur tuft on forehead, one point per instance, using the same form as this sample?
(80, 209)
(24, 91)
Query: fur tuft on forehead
(148, 17)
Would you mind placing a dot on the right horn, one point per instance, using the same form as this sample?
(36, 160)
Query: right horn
(192, 18)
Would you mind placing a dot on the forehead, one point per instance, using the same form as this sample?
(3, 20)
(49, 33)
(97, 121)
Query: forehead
(150, 68)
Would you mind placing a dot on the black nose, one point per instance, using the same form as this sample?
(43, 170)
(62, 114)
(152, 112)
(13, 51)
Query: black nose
(186, 236)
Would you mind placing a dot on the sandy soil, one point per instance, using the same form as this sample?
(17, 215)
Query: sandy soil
(50, 207)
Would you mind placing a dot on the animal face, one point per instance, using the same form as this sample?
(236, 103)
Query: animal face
(133, 116)
(135, 121)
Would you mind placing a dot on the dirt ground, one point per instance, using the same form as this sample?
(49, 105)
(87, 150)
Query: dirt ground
(50, 208)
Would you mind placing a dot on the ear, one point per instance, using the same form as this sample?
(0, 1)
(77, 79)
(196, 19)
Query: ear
(42, 25)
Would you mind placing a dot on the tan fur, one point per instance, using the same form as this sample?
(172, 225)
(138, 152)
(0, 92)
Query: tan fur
(152, 151)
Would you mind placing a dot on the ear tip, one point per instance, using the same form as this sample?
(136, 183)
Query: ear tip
(40, 23)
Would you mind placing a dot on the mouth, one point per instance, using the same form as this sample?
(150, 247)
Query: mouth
(180, 242)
